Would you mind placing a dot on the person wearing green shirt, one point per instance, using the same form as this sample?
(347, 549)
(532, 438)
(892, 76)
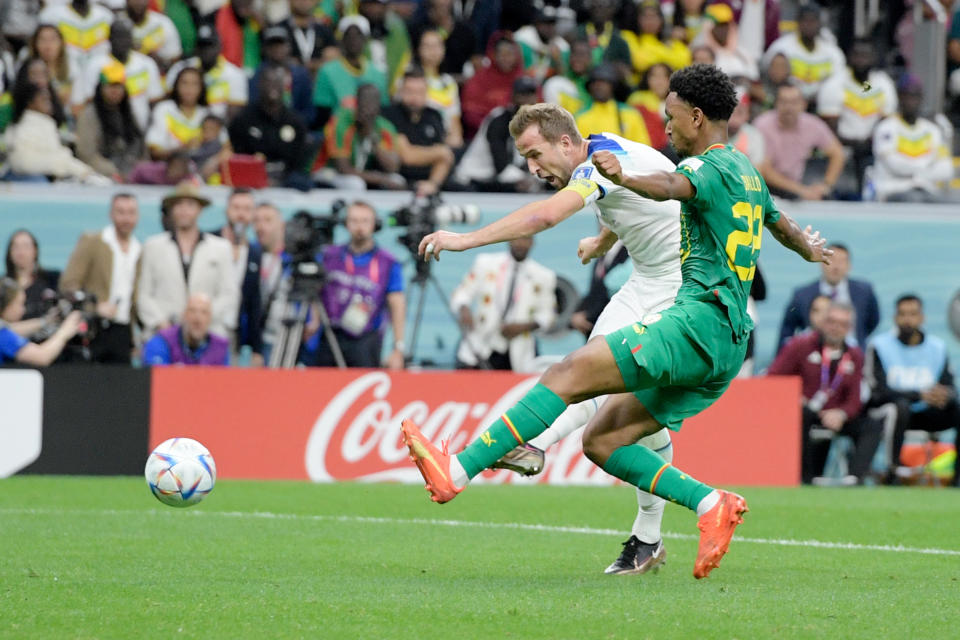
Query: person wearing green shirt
(337, 81)
(658, 371)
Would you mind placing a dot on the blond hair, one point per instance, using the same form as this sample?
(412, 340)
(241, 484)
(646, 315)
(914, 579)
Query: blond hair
(553, 121)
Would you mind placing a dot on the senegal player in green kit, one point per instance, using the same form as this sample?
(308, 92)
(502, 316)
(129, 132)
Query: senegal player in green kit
(660, 373)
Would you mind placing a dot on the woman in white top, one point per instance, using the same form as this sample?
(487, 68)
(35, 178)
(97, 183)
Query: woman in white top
(443, 93)
(33, 143)
(176, 123)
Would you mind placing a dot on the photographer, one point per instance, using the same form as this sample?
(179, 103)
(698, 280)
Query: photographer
(16, 348)
(363, 284)
(104, 265)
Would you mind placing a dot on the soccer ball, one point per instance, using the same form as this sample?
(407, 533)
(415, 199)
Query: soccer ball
(180, 472)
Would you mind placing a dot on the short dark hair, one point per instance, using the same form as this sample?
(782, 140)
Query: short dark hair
(122, 195)
(240, 191)
(908, 297)
(841, 247)
(707, 88)
(414, 72)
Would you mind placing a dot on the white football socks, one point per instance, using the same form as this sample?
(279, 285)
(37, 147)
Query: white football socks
(708, 502)
(573, 417)
(457, 473)
(650, 512)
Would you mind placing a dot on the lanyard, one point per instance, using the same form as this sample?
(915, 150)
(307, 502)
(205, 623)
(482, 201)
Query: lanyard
(374, 268)
(825, 370)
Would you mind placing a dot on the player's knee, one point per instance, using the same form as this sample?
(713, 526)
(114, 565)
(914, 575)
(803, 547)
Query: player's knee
(595, 449)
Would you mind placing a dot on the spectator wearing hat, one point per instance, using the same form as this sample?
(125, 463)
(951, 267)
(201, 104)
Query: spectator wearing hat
(911, 159)
(182, 262)
(144, 86)
(492, 162)
(337, 82)
(278, 52)
(109, 138)
(813, 58)
(389, 45)
(649, 46)
(461, 45)
(854, 102)
(605, 113)
(443, 92)
(425, 158)
(225, 83)
(492, 85)
(176, 124)
(791, 136)
(154, 34)
(270, 128)
(722, 34)
(360, 147)
(569, 90)
(313, 41)
(544, 50)
(85, 27)
(190, 341)
(237, 24)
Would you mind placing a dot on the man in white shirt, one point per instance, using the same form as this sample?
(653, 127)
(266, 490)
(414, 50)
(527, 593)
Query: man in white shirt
(85, 27)
(184, 261)
(813, 58)
(154, 33)
(104, 265)
(269, 226)
(143, 82)
(514, 298)
(547, 137)
(852, 103)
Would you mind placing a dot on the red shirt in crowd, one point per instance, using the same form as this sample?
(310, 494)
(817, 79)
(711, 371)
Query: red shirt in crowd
(840, 380)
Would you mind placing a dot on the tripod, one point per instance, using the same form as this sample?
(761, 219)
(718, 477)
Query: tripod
(287, 346)
(421, 280)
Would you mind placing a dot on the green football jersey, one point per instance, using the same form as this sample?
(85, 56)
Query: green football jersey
(721, 230)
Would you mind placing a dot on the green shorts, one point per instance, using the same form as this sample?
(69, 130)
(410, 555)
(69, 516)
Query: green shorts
(680, 364)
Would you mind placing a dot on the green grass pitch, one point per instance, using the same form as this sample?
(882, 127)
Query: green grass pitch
(101, 558)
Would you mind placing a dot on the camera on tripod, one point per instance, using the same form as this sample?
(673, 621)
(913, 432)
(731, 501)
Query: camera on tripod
(306, 236)
(422, 216)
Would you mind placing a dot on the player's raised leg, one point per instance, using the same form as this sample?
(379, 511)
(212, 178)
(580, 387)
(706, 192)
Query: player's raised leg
(588, 372)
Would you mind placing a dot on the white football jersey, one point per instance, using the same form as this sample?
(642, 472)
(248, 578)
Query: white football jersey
(650, 230)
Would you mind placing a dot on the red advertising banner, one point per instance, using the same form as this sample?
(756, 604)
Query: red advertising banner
(329, 425)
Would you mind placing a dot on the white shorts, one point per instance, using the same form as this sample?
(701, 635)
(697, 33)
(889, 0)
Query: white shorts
(638, 298)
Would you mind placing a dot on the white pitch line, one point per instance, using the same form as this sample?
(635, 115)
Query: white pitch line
(266, 515)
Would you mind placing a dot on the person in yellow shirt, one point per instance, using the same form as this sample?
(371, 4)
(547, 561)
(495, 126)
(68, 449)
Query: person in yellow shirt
(648, 46)
(605, 114)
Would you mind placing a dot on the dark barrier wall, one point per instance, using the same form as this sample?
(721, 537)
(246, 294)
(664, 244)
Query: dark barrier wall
(96, 420)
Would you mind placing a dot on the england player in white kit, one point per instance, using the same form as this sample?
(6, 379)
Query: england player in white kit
(547, 137)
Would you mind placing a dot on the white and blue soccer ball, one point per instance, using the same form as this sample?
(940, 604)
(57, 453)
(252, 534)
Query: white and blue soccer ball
(180, 472)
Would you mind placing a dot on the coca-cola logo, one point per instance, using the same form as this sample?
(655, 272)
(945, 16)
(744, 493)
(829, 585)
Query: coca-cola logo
(357, 435)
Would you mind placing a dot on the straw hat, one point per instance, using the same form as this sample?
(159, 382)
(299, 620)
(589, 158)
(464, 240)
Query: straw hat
(188, 191)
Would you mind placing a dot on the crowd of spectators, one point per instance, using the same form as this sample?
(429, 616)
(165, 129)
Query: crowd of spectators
(392, 94)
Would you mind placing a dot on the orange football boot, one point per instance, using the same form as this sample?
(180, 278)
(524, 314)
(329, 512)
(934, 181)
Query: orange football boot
(433, 463)
(716, 530)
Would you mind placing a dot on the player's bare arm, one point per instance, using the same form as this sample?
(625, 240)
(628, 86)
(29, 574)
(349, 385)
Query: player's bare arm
(659, 185)
(596, 246)
(806, 242)
(526, 221)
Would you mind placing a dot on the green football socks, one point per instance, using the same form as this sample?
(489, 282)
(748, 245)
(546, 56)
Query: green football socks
(525, 420)
(646, 470)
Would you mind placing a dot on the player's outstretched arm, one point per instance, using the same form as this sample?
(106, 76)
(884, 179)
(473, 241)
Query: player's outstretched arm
(659, 185)
(526, 221)
(805, 242)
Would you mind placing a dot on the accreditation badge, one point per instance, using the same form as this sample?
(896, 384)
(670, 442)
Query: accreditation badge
(357, 316)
